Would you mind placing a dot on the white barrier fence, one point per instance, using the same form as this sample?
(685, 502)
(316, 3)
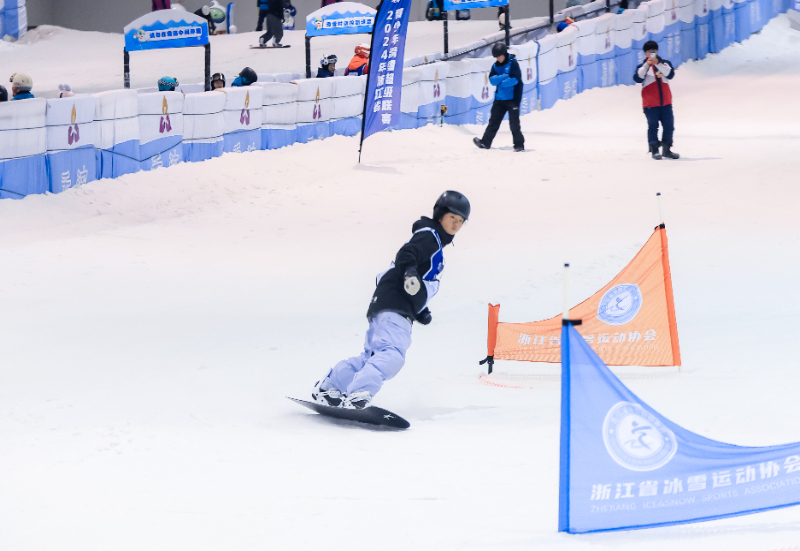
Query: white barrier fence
(52, 145)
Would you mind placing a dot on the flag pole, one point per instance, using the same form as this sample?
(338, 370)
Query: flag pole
(660, 213)
(566, 300)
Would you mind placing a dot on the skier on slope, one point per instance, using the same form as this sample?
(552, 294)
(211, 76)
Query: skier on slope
(654, 74)
(401, 297)
(507, 76)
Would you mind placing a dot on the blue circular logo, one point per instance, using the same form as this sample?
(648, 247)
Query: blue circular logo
(620, 304)
(636, 439)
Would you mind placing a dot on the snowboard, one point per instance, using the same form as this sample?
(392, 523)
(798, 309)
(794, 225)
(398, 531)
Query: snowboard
(270, 47)
(370, 415)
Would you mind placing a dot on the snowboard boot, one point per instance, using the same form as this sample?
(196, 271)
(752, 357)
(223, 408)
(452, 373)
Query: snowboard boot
(654, 151)
(331, 397)
(519, 149)
(667, 154)
(261, 41)
(357, 400)
(479, 143)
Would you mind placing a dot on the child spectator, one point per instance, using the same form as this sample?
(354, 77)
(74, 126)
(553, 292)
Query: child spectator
(289, 13)
(217, 81)
(245, 78)
(21, 86)
(359, 65)
(167, 84)
(66, 91)
(654, 73)
(327, 67)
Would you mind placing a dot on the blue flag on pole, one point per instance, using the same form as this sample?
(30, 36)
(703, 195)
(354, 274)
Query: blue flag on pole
(385, 82)
(625, 466)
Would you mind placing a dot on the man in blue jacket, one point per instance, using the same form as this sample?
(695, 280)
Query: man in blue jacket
(507, 76)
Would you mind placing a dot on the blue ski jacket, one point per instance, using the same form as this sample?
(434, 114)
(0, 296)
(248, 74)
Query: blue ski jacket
(508, 79)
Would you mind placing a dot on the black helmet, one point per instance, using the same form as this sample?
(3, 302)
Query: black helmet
(218, 77)
(499, 49)
(249, 75)
(328, 59)
(3, 94)
(451, 201)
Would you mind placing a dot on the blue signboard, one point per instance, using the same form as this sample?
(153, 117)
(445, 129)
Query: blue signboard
(166, 29)
(453, 5)
(386, 67)
(624, 465)
(341, 18)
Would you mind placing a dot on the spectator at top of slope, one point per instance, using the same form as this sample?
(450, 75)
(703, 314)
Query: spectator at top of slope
(161, 5)
(217, 81)
(245, 78)
(65, 91)
(21, 86)
(359, 65)
(167, 84)
(327, 67)
(3, 94)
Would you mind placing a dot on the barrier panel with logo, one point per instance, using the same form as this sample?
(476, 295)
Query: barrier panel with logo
(702, 19)
(23, 143)
(688, 33)
(71, 157)
(203, 126)
(160, 129)
(409, 99)
(313, 109)
(569, 78)
(116, 128)
(279, 119)
(640, 34)
(529, 66)
(432, 91)
(482, 91)
(624, 56)
(242, 114)
(459, 92)
(604, 39)
(587, 54)
(548, 72)
(672, 33)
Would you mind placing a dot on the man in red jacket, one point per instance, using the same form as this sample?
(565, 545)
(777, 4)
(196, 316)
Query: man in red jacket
(655, 73)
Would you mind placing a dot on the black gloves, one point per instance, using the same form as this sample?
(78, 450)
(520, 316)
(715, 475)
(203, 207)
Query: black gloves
(424, 317)
(411, 281)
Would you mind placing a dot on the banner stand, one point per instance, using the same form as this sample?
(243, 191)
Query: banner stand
(165, 29)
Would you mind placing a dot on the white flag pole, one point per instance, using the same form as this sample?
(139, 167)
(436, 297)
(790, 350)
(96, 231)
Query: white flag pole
(566, 300)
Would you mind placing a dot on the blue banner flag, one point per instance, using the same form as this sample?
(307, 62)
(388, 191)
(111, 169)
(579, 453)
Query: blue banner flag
(385, 82)
(166, 29)
(341, 18)
(453, 5)
(625, 466)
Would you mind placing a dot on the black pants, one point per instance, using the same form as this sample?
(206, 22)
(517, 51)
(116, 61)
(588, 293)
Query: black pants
(274, 29)
(654, 116)
(499, 110)
(262, 16)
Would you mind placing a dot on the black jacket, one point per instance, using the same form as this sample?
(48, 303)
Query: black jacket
(323, 72)
(389, 294)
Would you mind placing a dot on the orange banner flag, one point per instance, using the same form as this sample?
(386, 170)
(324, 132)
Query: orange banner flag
(630, 321)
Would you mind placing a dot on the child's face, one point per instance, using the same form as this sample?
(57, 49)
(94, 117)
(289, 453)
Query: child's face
(451, 223)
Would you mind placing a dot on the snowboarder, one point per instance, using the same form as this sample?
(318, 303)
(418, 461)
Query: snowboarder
(359, 65)
(247, 77)
(327, 67)
(507, 77)
(274, 24)
(654, 74)
(401, 297)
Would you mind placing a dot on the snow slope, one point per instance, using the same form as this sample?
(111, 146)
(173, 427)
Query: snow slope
(151, 326)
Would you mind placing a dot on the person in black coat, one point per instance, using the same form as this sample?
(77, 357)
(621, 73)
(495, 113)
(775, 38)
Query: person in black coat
(327, 67)
(274, 23)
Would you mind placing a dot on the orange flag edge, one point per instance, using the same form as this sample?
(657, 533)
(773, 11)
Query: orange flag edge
(673, 322)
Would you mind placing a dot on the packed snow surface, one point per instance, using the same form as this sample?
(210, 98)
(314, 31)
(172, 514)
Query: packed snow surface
(151, 326)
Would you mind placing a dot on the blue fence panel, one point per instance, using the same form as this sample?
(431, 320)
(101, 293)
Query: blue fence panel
(21, 177)
(72, 168)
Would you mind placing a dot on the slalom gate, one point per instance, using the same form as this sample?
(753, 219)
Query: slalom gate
(53, 145)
